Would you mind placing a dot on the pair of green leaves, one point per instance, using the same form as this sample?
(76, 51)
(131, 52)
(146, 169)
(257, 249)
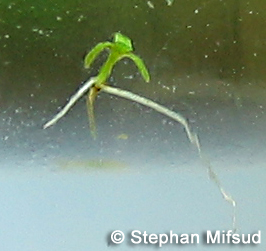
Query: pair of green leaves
(120, 48)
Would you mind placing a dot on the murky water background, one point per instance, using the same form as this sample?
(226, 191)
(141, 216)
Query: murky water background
(61, 190)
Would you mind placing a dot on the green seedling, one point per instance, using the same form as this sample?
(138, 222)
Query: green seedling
(120, 48)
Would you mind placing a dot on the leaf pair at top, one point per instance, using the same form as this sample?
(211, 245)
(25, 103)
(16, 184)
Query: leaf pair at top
(120, 48)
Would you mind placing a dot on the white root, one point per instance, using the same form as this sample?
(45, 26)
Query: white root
(73, 99)
(159, 108)
(193, 138)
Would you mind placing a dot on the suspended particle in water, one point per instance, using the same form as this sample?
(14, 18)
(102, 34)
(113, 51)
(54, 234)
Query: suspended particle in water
(169, 2)
(150, 4)
(122, 136)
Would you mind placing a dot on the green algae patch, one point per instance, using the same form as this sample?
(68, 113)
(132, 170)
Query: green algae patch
(92, 165)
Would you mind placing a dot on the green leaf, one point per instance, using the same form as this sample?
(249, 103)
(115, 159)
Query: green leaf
(90, 57)
(123, 41)
(141, 66)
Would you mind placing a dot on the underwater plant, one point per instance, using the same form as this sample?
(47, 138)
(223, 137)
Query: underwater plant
(120, 48)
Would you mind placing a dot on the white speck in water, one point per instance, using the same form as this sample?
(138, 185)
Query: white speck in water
(166, 87)
(59, 18)
(196, 11)
(129, 77)
(251, 12)
(18, 26)
(206, 56)
(81, 17)
(18, 110)
(150, 4)
(189, 26)
(169, 2)
(6, 36)
(255, 54)
(6, 138)
(164, 121)
(41, 32)
(191, 93)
